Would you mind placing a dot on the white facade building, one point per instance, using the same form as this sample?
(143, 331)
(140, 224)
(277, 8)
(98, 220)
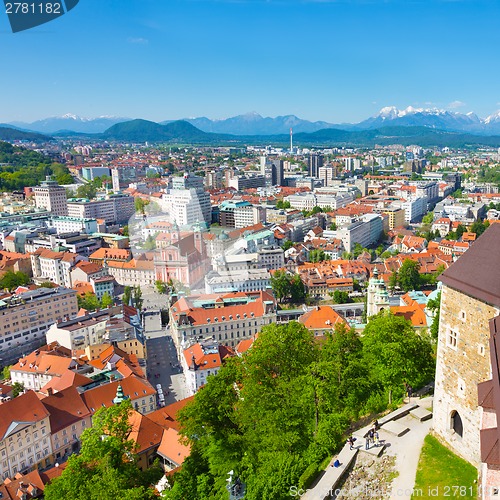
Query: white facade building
(249, 280)
(52, 197)
(72, 224)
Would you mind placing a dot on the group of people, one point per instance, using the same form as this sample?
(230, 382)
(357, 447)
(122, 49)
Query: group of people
(371, 437)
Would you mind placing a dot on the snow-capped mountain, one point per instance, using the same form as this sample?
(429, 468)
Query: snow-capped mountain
(433, 117)
(71, 122)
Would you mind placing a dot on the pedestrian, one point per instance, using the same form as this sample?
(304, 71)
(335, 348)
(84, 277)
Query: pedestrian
(376, 425)
(410, 391)
(375, 438)
(370, 435)
(367, 443)
(351, 440)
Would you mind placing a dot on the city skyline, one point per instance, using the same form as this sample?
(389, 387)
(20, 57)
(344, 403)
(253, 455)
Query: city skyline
(333, 61)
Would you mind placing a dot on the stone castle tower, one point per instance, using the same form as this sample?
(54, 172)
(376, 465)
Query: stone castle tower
(377, 297)
(470, 298)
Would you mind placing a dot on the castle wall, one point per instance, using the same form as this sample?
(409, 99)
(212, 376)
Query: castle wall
(463, 360)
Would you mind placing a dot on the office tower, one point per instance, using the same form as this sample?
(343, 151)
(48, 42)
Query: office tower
(52, 197)
(277, 173)
(314, 162)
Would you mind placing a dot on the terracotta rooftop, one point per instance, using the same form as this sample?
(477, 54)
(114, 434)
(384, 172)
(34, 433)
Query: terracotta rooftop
(144, 431)
(21, 411)
(171, 447)
(66, 408)
(102, 396)
(321, 318)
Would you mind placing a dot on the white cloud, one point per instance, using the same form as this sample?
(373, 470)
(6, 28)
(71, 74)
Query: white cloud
(138, 40)
(456, 104)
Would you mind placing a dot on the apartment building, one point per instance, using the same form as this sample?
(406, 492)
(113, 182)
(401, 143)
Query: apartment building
(202, 360)
(25, 435)
(39, 367)
(114, 209)
(366, 231)
(228, 319)
(25, 317)
(55, 267)
(65, 224)
(79, 332)
(68, 417)
(248, 280)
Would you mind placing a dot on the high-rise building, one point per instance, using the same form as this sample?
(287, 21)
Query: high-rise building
(115, 176)
(213, 179)
(52, 197)
(327, 174)
(187, 203)
(277, 173)
(314, 162)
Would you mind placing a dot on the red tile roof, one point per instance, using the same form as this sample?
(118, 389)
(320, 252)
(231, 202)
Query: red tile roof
(25, 409)
(321, 318)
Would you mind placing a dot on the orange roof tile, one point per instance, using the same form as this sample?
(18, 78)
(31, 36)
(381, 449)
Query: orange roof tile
(321, 318)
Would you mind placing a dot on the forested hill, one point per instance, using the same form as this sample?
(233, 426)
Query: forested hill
(14, 134)
(20, 167)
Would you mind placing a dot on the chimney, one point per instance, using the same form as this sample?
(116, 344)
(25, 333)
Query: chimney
(50, 391)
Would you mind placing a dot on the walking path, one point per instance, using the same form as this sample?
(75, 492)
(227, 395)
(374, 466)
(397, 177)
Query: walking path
(401, 435)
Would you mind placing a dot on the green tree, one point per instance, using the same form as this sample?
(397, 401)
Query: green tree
(340, 297)
(140, 205)
(287, 244)
(125, 230)
(283, 204)
(17, 388)
(479, 227)
(357, 250)
(12, 280)
(161, 287)
(6, 373)
(333, 226)
(409, 276)
(138, 300)
(150, 243)
(396, 354)
(317, 255)
(86, 191)
(280, 283)
(297, 290)
(393, 280)
(127, 293)
(89, 302)
(106, 467)
(428, 218)
(434, 305)
(461, 229)
(106, 300)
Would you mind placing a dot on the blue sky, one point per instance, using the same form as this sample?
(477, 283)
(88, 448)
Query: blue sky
(339, 61)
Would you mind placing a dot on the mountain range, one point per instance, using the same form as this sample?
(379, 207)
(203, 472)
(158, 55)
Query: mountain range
(183, 132)
(255, 124)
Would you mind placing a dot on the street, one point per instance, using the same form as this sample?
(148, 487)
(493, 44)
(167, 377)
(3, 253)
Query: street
(162, 358)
